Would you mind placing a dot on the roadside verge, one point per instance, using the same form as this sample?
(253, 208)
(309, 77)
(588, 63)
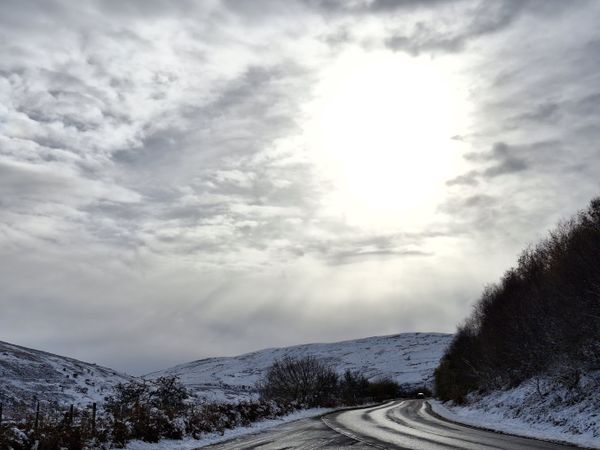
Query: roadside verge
(498, 423)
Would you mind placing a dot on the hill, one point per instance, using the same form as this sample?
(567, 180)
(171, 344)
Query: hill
(28, 375)
(408, 358)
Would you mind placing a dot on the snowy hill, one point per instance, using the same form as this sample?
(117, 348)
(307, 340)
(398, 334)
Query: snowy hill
(28, 375)
(408, 358)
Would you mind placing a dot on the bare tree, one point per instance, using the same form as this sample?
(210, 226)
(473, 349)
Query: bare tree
(306, 381)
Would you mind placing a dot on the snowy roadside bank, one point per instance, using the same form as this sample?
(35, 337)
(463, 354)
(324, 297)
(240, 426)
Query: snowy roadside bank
(189, 443)
(497, 412)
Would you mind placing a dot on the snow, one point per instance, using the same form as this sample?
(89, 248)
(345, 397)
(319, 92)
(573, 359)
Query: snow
(213, 438)
(408, 358)
(561, 414)
(28, 375)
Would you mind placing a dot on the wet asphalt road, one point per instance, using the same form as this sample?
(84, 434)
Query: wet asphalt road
(408, 424)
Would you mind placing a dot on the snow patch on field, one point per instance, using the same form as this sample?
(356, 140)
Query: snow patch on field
(541, 409)
(213, 438)
(408, 358)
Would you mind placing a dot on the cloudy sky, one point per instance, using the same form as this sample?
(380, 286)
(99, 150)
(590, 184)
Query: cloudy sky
(183, 179)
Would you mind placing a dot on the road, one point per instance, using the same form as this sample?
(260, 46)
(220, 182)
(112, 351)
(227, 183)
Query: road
(408, 424)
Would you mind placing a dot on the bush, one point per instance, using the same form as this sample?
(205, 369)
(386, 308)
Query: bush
(353, 388)
(147, 410)
(56, 429)
(217, 417)
(383, 389)
(169, 395)
(306, 382)
(11, 437)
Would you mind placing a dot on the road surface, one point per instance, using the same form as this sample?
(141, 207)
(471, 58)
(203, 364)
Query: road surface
(408, 424)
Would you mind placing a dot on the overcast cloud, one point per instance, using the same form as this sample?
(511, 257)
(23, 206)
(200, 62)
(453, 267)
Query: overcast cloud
(160, 201)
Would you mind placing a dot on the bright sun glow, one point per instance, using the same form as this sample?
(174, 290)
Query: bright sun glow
(381, 128)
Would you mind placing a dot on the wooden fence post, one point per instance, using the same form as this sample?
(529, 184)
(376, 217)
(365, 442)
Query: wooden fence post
(71, 416)
(37, 416)
(0, 413)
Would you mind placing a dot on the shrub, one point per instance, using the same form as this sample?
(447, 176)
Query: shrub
(303, 381)
(353, 388)
(383, 389)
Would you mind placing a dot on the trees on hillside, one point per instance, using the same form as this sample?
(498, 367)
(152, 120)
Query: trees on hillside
(542, 317)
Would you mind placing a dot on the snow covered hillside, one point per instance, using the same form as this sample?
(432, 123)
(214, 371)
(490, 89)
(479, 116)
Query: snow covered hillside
(408, 358)
(28, 375)
(543, 408)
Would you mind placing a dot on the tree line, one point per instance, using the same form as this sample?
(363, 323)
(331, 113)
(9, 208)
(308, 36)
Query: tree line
(541, 319)
(310, 382)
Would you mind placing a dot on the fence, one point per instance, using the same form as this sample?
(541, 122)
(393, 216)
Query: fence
(69, 415)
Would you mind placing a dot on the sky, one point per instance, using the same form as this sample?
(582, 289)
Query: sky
(185, 179)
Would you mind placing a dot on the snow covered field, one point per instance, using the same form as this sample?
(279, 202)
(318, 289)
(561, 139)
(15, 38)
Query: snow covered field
(558, 414)
(408, 358)
(28, 375)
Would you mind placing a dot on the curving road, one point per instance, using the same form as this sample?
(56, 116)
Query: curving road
(411, 424)
(408, 424)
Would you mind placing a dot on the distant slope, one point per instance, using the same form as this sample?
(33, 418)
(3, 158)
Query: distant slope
(28, 375)
(409, 358)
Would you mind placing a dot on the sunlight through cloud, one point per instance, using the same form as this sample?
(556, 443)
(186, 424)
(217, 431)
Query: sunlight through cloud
(381, 129)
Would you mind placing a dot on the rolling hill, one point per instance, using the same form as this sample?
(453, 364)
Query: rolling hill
(28, 375)
(408, 358)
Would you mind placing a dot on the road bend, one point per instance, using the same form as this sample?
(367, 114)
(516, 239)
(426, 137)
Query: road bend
(407, 424)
